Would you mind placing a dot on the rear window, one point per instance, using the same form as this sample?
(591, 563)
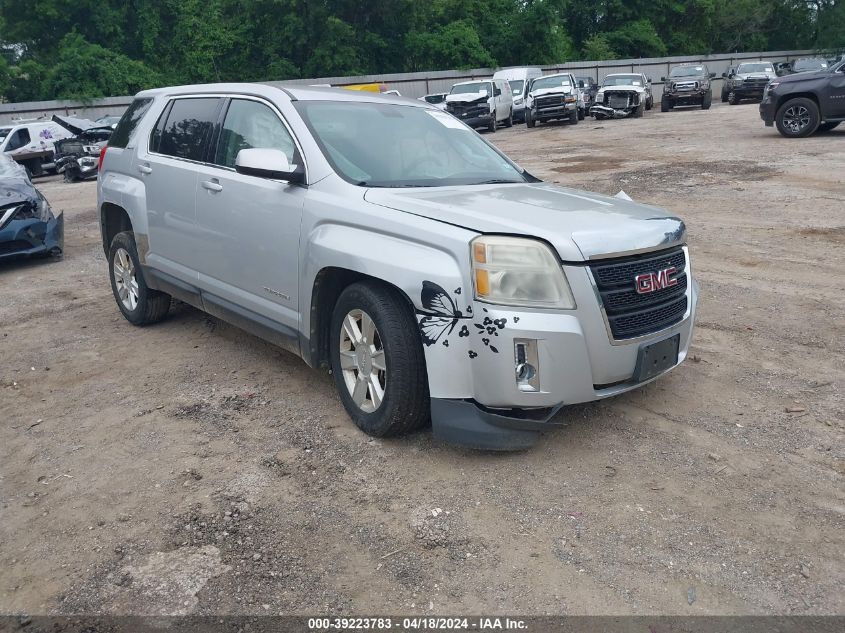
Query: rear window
(183, 130)
(128, 122)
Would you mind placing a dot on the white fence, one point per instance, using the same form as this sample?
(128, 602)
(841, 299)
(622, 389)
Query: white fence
(418, 84)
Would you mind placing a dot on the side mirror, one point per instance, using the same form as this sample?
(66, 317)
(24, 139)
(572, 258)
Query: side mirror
(267, 163)
(580, 83)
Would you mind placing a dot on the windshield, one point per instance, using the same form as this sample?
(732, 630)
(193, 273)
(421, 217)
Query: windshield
(623, 80)
(810, 64)
(552, 81)
(516, 86)
(476, 86)
(687, 71)
(435, 98)
(755, 68)
(388, 145)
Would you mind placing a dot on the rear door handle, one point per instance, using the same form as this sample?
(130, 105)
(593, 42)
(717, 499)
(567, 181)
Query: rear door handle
(145, 169)
(212, 185)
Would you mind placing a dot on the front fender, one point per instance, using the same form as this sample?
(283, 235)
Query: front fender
(410, 265)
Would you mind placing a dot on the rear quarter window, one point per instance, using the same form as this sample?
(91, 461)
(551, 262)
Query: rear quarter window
(129, 121)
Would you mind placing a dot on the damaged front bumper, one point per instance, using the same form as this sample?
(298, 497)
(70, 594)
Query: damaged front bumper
(31, 237)
(610, 113)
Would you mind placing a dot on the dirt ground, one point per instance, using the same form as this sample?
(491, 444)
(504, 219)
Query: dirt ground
(191, 468)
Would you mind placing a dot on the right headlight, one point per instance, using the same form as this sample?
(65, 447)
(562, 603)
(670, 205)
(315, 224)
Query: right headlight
(519, 272)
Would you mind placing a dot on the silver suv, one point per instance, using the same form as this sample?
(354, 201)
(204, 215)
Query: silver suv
(385, 240)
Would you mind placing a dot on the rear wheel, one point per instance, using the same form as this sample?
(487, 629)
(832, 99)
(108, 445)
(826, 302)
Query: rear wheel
(797, 118)
(377, 360)
(139, 304)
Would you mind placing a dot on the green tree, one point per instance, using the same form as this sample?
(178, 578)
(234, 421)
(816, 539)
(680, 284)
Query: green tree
(88, 70)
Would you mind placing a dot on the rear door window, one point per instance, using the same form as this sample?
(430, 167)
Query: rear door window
(184, 129)
(250, 124)
(129, 121)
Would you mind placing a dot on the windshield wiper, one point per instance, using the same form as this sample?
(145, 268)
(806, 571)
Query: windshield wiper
(498, 181)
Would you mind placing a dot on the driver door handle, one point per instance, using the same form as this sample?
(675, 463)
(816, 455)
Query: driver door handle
(145, 169)
(212, 185)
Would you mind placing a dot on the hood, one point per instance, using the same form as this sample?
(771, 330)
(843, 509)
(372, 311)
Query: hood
(756, 75)
(578, 224)
(467, 97)
(550, 91)
(803, 76)
(622, 89)
(73, 124)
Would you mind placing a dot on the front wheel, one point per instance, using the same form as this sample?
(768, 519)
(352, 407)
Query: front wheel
(529, 120)
(733, 99)
(649, 103)
(377, 360)
(797, 118)
(139, 304)
(665, 105)
(573, 116)
(580, 114)
(494, 124)
(707, 101)
(509, 120)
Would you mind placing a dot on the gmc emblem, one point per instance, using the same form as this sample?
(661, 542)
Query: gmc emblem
(649, 282)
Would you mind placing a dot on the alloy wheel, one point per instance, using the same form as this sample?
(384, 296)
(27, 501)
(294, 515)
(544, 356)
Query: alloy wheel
(362, 360)
(796, 118)
(125, 280)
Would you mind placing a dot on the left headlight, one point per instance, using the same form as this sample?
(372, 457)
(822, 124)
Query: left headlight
(600, 97)
(519, 272)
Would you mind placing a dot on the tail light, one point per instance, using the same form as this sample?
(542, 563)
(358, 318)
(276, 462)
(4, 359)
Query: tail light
(102, 156)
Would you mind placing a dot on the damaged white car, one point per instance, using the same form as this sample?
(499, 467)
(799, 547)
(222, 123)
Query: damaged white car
(623, 95)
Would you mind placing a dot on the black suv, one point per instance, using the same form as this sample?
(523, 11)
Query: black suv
(806, 102)
(687, 84)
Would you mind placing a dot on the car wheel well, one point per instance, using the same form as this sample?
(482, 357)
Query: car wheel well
(328, 285)
(798, 95)
(114, 220)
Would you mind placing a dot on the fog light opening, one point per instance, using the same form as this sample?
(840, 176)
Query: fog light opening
(526, 365)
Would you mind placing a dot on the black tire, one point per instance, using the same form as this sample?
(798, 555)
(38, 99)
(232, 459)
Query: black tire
(152, 305)
(665, 105)
(494, 124)
(573, 117)
(827, 127)
(707, 100)
(804, 112)
(724, 94)
(733, 99)
(529, 120)
(638, 113)
(406, 403)
(580, 114)
(509, 120)
(649, 103)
